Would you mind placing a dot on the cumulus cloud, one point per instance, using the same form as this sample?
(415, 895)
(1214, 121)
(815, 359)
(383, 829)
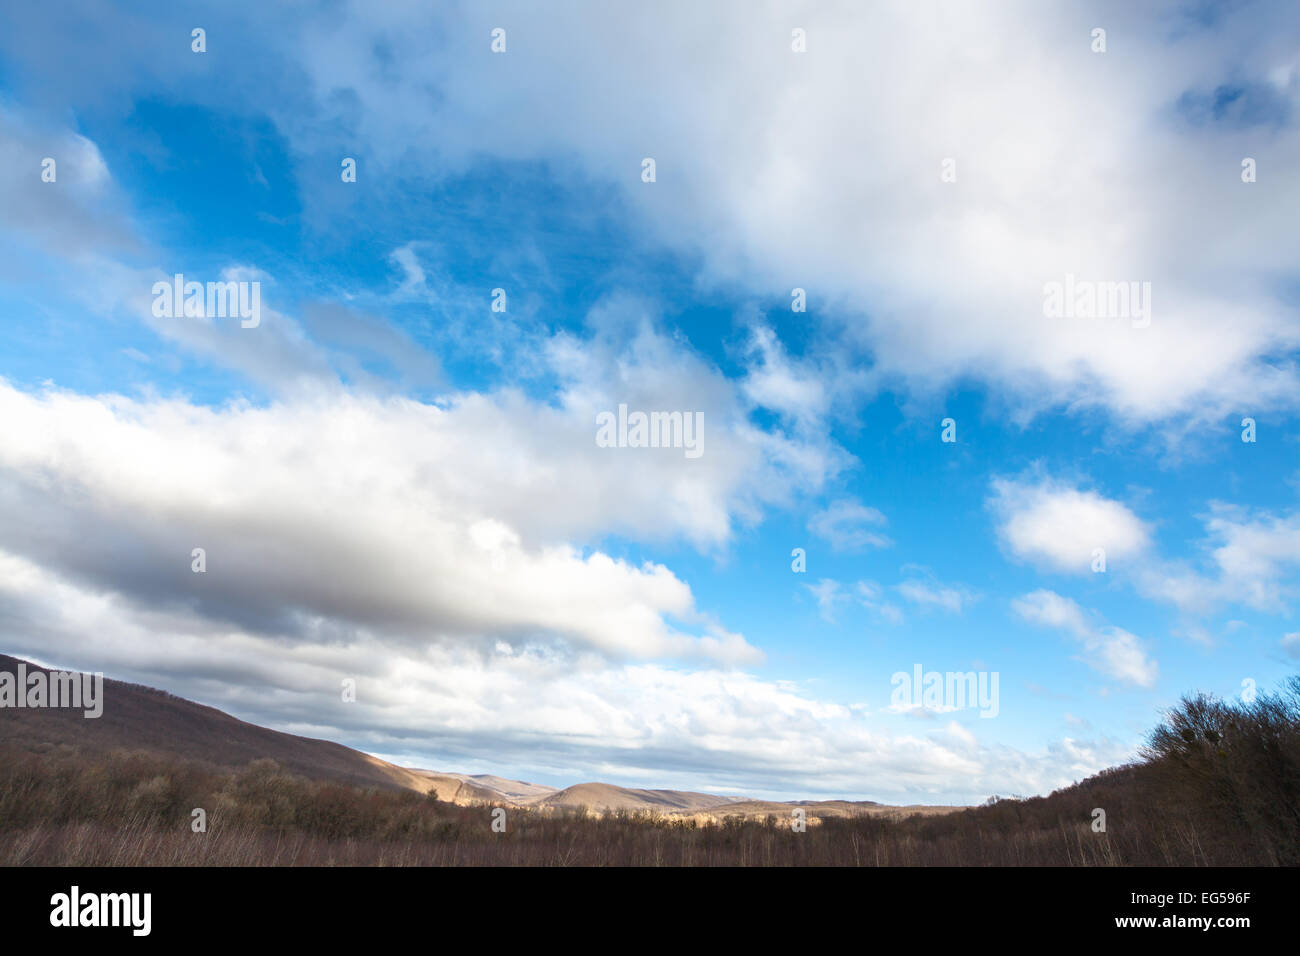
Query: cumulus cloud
(1052, 610)
(1247, 556)
(780, 170)
(773, 164)
(1061, 525)
(1112, 651)
(366, 511)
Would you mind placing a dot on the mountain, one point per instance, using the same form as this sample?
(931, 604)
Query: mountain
(604, 796)
(465, 789)
(516, 791)
(141, 718)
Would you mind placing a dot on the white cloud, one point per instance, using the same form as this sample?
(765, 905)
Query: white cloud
(776, 382)
(828, 594)
(1112, 651)
(1050, 609)
(1249, 559)
(1061, 526)
(779, 169)
(1253, 554)
(362, 510)
(783, 170)
(929, 593)
(870, 595)
(1246, 557)
(413, 276)
(848, 525)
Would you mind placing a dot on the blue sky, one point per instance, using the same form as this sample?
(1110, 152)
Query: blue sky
(394, 484)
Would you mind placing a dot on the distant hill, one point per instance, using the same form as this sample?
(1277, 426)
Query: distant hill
(516, 791)
(604, 796)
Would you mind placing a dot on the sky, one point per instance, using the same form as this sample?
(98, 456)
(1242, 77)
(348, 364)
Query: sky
(839, 262)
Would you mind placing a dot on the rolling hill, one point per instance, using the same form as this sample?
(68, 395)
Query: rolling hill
(604, 796)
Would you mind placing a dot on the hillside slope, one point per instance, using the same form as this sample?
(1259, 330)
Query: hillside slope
(141, 718)
(604, 796)
(515, 791)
